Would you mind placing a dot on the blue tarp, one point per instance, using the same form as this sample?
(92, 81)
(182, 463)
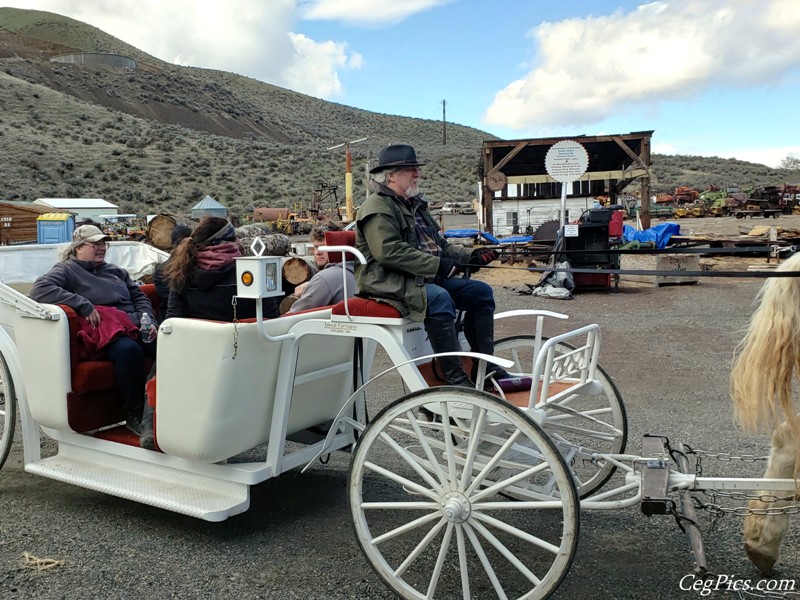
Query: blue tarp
(660, 234)
(519, 239)
(461, 233)
(466, 233)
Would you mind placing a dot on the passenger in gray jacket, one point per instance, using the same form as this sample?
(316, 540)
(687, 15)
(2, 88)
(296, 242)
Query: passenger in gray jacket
(84, 280)
(327, 286)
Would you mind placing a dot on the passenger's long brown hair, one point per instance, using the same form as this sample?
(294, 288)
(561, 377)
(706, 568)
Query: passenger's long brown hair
(181, 268)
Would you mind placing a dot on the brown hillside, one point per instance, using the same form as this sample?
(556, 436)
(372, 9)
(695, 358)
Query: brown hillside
(160, 137)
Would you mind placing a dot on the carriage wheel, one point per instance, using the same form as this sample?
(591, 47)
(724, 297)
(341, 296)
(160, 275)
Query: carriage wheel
(430, 520)
(8, 411)
(582, 425)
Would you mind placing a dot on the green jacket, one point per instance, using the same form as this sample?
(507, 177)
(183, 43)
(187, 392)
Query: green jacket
(396, 270)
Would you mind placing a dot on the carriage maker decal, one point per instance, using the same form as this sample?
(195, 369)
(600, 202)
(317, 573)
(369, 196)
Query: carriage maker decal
(340, 327)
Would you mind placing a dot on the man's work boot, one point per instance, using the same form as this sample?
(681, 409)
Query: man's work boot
(443, 338)
(479, 331)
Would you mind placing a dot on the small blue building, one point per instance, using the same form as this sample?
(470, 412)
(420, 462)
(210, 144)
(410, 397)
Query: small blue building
(54, 228)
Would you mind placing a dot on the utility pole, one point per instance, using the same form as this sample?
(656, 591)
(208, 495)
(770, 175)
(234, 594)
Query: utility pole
(348, 176)
(444, 123)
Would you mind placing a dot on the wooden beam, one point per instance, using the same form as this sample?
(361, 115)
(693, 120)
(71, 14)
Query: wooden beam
(644, 215)
(588, 176)
(626, 149)
(517, 149)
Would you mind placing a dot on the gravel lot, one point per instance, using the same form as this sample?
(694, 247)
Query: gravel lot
(669, 351)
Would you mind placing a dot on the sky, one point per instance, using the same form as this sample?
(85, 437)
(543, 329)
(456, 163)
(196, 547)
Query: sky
(710, 77)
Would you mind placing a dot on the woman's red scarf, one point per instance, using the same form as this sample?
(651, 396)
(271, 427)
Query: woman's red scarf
(212, 258)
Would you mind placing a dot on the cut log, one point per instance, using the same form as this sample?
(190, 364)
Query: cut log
(276, 244)
(254, 229)
(286, 303)
(159, 230)
(298, 269)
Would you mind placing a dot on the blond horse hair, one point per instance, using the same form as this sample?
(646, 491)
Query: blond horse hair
(768, 358)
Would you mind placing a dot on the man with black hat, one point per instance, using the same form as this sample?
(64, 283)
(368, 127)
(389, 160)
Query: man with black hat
(411, 266)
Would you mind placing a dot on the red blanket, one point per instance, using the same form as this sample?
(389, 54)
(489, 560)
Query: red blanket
(113, 323)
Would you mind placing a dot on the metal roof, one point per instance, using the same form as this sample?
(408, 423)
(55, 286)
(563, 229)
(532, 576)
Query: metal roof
(208, 202)
(75, 202)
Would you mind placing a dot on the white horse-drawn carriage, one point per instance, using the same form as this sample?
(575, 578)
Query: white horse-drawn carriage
(452, 491)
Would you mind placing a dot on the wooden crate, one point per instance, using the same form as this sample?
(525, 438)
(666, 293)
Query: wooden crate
(660, 262)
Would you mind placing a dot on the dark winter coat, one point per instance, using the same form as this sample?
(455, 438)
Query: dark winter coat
(209, 297)
(396, 270)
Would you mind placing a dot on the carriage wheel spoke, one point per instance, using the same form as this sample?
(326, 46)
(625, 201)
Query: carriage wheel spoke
(449, 450)
(401, 505)
(410, 526)
(501, 485)
(437, 569)
(500, 547)
(424, 542)
(412, 461)
(426, 447)
(479, 420)
(510, 529)
(493, 462)
(476, 545)
(403, 481)
(462, 563)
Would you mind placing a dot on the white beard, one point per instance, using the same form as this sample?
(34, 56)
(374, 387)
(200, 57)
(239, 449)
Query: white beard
(412, 190)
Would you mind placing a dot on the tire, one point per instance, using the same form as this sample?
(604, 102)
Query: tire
(432, 523)
(608, 436)
(8, 411)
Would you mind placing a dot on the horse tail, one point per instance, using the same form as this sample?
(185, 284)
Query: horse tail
(767, 360)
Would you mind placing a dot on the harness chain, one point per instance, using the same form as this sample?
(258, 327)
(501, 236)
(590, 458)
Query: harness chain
(717, 510)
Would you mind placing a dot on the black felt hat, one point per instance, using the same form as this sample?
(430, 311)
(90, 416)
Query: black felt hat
(396, 156)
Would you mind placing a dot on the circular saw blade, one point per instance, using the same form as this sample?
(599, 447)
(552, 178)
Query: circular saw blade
(547, 232)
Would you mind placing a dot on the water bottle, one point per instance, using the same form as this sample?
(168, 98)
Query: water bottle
(145, 328)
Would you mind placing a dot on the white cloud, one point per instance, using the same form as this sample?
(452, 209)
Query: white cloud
(255, 39)
(591, 68)
(366, 13)
(314, 68)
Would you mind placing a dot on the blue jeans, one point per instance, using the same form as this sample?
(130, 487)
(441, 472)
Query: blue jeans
(128, 355)
(458, 293)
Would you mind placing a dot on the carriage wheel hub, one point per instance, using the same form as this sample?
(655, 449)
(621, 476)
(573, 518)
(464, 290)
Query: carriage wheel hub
(456, 507)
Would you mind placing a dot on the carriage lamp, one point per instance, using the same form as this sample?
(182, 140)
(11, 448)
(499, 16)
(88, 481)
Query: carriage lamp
(258, 276)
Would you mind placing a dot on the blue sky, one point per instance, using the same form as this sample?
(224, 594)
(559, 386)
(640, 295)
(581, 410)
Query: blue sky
(711, 77)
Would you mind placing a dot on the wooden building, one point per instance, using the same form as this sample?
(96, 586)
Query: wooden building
(18, 223)
(615, 161)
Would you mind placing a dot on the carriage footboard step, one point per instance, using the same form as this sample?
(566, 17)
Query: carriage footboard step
(192, 494)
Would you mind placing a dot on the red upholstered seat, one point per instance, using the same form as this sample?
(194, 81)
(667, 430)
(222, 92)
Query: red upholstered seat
(94, 401)
(340, 238)
(367, 307)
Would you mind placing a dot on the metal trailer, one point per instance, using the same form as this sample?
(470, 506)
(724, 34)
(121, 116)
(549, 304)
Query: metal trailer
(453, 492)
